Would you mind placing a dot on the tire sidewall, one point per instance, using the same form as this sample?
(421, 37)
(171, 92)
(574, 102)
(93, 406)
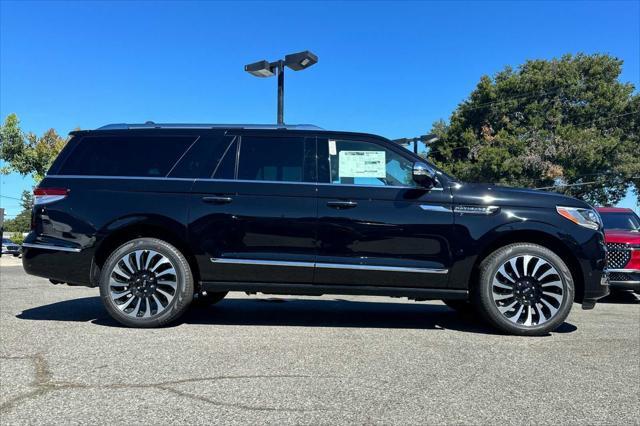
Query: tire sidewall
(184, 283)
(488, 270)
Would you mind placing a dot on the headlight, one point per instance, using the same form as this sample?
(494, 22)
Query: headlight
(588, 218)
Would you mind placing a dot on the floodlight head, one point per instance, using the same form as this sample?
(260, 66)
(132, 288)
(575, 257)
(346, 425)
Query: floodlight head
(430, 138)
(260, 69)
(301, 60)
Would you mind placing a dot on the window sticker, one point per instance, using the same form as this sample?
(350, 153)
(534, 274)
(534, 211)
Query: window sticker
(365, 164)
(332, 147)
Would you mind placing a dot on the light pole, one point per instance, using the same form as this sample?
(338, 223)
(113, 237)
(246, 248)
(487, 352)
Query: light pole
(295, 61)
(425, 139)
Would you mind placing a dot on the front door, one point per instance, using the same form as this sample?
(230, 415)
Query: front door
(255, 219)
(376, 227)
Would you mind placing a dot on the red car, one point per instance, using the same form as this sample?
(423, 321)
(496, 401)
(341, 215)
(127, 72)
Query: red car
(622, 234)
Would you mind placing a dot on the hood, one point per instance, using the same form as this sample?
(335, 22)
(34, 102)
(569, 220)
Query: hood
(622, 236)
(488, 194)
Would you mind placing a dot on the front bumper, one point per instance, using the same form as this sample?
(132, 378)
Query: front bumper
(624, 279)
(596, 291)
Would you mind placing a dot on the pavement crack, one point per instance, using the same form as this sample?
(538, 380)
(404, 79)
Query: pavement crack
(43, 383)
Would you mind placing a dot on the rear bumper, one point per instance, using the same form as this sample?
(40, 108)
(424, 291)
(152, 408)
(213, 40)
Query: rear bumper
(65, 264)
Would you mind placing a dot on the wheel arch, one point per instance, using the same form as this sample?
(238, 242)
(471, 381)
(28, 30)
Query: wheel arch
(142, 227)
(541, 238)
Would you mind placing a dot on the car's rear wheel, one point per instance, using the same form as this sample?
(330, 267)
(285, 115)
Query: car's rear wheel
(525, 289)
(146, 282)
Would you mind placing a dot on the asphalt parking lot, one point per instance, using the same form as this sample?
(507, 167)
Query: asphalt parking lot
(296, 360)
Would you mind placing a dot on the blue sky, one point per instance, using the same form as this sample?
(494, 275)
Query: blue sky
(386, 68)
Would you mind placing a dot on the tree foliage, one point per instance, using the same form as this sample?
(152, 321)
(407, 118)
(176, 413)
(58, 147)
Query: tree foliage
(27, 154)
(22, 222)
(568, 122)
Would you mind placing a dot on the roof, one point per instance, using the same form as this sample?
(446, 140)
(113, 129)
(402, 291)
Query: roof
(152, 125)
(613, 210)
(149, 125)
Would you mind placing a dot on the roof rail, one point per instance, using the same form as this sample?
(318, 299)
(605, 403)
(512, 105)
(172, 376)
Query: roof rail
(152, 125)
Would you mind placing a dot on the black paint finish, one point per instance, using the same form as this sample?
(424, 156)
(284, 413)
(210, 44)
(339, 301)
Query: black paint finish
(300, 234)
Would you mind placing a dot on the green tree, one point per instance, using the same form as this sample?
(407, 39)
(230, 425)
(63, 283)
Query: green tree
(568, 122)
(27, 154)
(22, 222)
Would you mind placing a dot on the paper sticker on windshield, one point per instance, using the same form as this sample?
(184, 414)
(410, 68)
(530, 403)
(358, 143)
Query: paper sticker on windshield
(365, 164)
(332, 147)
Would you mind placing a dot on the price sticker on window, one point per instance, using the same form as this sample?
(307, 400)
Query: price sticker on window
(363, 164)
(332, 147)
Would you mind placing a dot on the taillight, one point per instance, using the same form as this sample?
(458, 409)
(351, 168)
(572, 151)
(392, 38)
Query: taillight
(49, 195)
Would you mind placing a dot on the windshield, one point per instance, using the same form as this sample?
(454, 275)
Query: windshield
(623, 220)
(6, 241)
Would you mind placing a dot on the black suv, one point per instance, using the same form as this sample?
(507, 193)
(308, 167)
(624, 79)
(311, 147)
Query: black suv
(160, 216)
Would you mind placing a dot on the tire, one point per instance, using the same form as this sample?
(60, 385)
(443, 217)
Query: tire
(146, 283)
(464, 307)
(210, 299)
(524, 289)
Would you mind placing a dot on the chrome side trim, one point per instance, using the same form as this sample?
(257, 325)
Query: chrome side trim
(50, 247)
(381, 268)
(116, 177)
(481, 210)
(432, 208)
(328, 265)
(262, 262)
(624, 282)
(234, 180)
(628, 271)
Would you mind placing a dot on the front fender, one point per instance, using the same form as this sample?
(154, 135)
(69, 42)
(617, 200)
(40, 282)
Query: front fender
(479, 235)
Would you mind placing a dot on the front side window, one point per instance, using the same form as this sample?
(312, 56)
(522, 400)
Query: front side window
(278, 159)
(144, 156)
(366, 163)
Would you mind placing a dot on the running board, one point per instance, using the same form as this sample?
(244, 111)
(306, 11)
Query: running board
(319, 290)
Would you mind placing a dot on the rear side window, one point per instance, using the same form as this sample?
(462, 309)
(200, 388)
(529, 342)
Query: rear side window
(226, 168)
(272, 158)
(203, 157)
(144, 156)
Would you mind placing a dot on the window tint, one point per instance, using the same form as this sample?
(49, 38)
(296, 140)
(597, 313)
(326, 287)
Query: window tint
(271, 158)
(226, 168)
(148, 156)
(203, 157)
(366, 163)
(626, 221)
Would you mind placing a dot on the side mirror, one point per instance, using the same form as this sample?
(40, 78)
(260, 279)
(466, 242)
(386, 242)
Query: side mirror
(424, 175)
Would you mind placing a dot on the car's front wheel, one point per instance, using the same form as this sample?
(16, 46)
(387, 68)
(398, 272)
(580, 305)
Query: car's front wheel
(525, 289)
(146, 282)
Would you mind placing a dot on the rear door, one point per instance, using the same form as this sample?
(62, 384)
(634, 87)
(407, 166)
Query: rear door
(254, 219)
(376, 226)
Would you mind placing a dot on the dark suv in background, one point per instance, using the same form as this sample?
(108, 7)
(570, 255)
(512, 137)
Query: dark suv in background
(160, 216)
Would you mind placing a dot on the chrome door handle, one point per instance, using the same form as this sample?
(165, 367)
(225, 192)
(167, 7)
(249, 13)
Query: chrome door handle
(217, 199)
(342, 204)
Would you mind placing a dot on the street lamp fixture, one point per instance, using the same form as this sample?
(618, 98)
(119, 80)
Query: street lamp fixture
(295, 61)
(425, 139)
